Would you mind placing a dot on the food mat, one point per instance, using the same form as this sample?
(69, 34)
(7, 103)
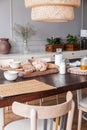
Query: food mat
(77, 70)
(18, 88)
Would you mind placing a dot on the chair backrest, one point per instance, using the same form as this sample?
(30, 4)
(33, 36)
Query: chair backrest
(5, 62)
(46, 112)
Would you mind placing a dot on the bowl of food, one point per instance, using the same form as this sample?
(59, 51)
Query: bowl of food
(10, 75)
(15, 64)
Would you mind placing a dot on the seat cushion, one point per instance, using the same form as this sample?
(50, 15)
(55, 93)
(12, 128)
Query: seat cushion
(24, 124)
(83, 102)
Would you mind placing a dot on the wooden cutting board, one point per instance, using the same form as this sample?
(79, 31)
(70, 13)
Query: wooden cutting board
(37, 73)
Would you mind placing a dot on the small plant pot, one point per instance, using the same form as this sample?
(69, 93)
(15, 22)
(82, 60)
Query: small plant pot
(5, 46)
(52, 48)
(71, 47)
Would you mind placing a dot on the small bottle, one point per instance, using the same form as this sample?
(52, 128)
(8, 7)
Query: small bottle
(67, 63)
(62, 67)
(58, 56)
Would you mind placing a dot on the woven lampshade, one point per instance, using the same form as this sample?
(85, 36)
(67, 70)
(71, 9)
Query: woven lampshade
(34, 3)
(52, 13)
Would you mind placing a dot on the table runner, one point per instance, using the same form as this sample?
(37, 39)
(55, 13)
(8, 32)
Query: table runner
(23, 87)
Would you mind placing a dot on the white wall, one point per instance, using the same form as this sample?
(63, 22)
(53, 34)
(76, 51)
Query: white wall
(21, 15)
(85, 14)
(4, 18)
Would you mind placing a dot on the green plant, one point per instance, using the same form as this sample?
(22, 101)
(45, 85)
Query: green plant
(72, 39)
(53, 40)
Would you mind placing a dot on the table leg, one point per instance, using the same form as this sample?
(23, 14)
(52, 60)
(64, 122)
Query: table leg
(1, 119)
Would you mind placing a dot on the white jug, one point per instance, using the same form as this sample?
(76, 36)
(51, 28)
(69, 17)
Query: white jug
(58, 57)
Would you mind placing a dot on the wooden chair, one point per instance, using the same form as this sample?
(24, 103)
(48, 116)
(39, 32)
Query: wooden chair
(35, 114)
(82, 107)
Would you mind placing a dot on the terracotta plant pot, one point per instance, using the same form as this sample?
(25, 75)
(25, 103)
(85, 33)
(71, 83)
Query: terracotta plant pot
(4, 46)
(52, 48)
(71, 47)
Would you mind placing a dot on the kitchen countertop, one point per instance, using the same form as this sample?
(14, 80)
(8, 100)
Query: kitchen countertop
(49, 55)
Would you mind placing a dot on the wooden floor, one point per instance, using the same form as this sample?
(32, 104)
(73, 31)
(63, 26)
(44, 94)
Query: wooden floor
(49, 101)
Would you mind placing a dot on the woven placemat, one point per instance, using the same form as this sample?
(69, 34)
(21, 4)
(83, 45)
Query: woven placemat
(77, 70)
(23, 87)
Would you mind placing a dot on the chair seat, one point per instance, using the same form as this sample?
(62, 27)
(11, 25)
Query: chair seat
(24, 124)
(83, 102)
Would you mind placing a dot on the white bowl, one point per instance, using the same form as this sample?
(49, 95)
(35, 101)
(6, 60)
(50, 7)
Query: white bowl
(10, 75)
(15, 64)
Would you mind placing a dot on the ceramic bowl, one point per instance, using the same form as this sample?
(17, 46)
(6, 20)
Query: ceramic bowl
(15, 64)
(10, 75)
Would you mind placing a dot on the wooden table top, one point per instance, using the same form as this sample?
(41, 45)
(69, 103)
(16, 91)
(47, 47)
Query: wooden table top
(62, 83)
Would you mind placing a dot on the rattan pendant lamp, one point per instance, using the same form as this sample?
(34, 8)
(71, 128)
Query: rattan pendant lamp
(52, 13)
(52, 10)
(34, 3)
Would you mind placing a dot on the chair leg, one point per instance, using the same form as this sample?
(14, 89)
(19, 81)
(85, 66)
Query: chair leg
(57, 119)
(57, 97)
(57, 123)
(79, 120)
(41, 101)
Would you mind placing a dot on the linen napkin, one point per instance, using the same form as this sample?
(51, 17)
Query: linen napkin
(74, 64)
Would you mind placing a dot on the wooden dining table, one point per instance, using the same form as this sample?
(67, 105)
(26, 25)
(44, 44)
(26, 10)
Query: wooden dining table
(61, 83)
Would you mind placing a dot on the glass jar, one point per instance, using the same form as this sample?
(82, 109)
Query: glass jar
(25, 47)
(62, 67)
(83, 65)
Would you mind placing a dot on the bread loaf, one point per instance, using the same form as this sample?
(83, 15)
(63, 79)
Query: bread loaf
(39, 65)
(28, 67)
(51, 66)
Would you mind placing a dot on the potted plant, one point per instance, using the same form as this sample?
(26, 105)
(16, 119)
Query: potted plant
(24, 32)
(53, 44)
(72, 43)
